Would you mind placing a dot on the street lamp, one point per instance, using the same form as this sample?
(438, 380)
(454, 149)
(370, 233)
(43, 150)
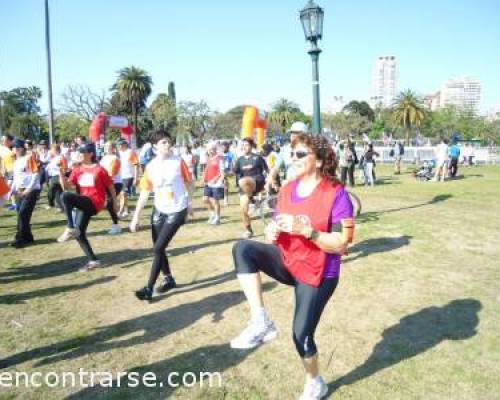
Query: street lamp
(311, 17)
(49, 72)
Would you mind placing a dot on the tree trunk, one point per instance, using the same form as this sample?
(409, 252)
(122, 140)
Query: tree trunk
(408, 137)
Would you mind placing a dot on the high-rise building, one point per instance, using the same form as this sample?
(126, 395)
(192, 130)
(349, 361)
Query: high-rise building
(464, 94)
(384, 81)
(432, 101)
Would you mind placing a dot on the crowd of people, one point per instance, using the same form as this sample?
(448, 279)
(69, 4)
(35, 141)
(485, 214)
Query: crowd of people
(311, 227)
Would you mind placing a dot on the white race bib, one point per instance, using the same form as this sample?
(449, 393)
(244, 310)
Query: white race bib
(86, 180)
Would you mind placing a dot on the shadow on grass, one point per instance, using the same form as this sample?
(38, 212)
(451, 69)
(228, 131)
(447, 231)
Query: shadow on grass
(20, 298)
(147, 329)
(198, 284)
(207, 359)
(129, 257)
(415, 334)
(378, 245)
(460, 177)
(66, 266)
(375, 215)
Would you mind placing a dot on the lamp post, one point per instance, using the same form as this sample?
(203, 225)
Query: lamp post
(311, 17)
(1, 117)
(49, 72)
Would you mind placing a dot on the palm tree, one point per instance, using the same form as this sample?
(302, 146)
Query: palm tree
(134, 87)
(408, 112)
(282, 113)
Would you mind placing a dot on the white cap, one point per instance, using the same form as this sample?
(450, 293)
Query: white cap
(298, 126)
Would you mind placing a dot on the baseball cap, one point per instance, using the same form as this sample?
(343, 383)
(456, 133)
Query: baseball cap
(18, 143)
(298, 126)
(87, 148)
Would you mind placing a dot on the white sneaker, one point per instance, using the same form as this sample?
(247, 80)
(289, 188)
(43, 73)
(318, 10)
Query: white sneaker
(48, 208)
(90, 266)
(314, 390)
(210, 219)
(254, 335)
(247, 234)
(215, 220)
(252, 209)
(115, 230)
(123, 215)
(68, 234)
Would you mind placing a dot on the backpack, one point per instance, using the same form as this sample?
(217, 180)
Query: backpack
(146, 157)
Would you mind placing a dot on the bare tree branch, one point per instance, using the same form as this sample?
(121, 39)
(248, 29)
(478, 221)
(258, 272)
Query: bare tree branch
(82, 101)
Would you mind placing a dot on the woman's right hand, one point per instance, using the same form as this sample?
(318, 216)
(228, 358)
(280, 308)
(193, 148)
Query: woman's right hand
(272, 231)
(134, 224)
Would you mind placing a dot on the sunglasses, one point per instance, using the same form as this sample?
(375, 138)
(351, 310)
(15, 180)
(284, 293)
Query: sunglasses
(299, 154)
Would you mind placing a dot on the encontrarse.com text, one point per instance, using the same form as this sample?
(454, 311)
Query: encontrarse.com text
(107, 379)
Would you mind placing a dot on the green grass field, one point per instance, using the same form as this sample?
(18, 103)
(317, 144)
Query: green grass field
(416, 314)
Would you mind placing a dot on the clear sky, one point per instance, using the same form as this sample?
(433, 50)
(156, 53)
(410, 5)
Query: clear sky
(251, 52)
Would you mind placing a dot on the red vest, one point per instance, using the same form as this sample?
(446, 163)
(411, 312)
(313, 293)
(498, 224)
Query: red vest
(303, 259)
(212, 169)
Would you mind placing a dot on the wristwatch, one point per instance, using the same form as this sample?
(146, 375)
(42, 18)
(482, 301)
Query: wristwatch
(313, 235)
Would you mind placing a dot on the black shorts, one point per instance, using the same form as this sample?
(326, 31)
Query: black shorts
(214, 193)
(127, 185)
(118, 188)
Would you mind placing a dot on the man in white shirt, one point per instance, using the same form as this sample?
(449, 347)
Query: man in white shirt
(441, 152)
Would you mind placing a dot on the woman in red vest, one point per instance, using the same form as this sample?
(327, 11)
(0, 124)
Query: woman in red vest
(312, 228)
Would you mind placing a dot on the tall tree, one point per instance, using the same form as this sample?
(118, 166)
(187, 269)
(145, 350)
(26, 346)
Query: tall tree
(164, 113)
(134, 87)
(361, 108)
(82, 101)
(408, 112)
(282, 114)
(171, 93)
(194, 120)
(21, 112)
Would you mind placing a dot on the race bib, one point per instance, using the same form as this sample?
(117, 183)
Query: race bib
(86, 180)
(166, 196)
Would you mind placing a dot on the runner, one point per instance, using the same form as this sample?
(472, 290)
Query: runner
(55, 167)
(169, 178)
(129, 173)
(26, 189)
(7, 158)
(250, 172)
(312, 228)
(4, 190)
(111, 163)
(213, 177)
(229, 161)
(92, 184)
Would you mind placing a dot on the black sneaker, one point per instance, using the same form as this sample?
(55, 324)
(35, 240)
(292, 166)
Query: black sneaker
(19, 244)
(168, 284)
(144, 294)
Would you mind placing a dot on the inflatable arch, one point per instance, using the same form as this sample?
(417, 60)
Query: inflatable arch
(254, 122)
(97, 130)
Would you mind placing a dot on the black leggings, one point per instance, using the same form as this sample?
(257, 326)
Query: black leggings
(109, 203)
(54, 192)
(26, 205)
(85, 210)
(163, 229)
(250, 257)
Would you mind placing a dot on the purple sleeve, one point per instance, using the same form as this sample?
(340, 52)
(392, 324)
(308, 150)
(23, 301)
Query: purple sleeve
(342, 207)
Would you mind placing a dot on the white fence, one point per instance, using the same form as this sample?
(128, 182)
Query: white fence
(482, 155)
